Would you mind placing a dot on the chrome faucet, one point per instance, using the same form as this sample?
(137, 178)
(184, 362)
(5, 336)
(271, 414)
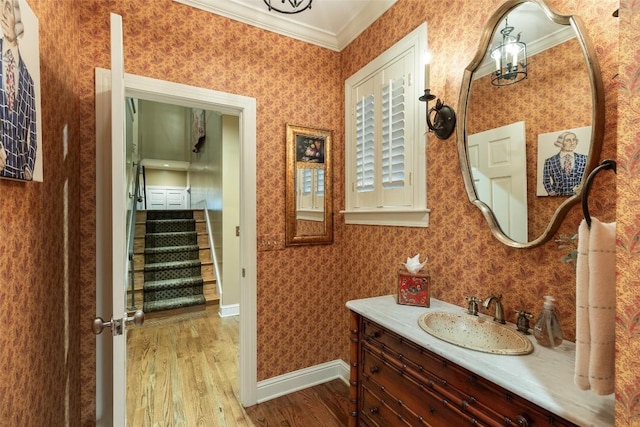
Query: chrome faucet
(499, 317)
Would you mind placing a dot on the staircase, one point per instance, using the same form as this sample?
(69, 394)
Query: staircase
(172, 260)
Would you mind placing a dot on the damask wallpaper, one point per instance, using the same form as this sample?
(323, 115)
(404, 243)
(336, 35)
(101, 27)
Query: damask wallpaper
(302, 320)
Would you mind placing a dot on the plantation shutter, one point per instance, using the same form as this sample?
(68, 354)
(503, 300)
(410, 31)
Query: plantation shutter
(320, 182)
(305, 199)
(365, 148)
(393, 134)
(385, 153)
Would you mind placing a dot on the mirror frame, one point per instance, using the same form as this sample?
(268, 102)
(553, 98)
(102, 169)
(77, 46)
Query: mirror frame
(291, 238)
(597, 119)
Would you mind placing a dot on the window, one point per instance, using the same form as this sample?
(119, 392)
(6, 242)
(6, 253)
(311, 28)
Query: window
(385, 143)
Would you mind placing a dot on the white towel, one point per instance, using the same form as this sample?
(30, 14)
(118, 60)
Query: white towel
(595, 307)
(583, 340)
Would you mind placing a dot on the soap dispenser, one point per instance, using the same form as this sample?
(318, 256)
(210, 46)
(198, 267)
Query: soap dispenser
(547, 329)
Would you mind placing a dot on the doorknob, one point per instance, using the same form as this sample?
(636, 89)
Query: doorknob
(99, 324)
(137, 318)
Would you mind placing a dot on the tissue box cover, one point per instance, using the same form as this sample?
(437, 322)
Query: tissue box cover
(413, 288)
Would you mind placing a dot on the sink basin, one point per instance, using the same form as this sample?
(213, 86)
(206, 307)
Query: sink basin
(475, 333)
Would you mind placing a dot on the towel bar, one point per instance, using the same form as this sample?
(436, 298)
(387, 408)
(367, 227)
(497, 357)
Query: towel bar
(606, 164)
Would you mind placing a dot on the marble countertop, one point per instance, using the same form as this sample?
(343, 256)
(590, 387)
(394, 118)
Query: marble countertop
(544, 377)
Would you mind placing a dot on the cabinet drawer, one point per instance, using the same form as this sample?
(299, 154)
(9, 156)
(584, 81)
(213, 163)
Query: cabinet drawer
(377, 410)
(417, 403)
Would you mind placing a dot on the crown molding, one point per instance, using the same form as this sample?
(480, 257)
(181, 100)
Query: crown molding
(289, 27)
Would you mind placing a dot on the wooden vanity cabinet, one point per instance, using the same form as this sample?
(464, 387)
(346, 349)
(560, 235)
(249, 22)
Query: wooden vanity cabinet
(395, 382)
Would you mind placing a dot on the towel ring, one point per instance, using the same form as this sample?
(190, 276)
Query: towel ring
(606, 164)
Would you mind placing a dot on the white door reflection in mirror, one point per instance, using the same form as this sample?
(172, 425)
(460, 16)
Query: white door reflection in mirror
(499, 168)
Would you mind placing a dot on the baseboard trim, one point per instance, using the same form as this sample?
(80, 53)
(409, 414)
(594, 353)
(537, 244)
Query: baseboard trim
(229, 310)
(301, 379)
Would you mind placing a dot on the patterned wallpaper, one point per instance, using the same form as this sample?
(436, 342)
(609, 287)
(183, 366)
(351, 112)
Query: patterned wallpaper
(302, 320)
(628, 219)
(39, 248)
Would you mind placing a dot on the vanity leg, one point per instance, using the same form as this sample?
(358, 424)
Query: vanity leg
(354, 348)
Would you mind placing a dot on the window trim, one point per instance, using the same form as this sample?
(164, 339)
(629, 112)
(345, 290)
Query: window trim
(416, 215)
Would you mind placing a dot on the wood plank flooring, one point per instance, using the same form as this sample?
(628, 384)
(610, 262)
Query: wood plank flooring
(182, 370)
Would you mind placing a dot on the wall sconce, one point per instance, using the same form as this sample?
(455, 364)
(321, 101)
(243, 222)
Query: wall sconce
(444, 118)
(509, 68)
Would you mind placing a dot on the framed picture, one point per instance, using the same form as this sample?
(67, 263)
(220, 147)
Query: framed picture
(562, 161)
(310, 145)
(20, 112)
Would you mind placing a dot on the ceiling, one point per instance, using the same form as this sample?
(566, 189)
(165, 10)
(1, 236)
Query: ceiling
(332, 24)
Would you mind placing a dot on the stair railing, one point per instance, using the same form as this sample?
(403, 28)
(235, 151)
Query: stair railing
(214, 256)
(135, 198)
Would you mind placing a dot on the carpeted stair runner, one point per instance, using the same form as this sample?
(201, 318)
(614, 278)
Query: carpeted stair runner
(172, 269)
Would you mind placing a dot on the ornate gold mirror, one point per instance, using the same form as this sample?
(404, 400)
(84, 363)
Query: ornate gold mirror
(309, 188)
(514, 119)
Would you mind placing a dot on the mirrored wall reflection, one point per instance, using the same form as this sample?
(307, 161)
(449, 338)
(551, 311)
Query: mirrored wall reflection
(308, 193)
(309, 200)
(510, 143)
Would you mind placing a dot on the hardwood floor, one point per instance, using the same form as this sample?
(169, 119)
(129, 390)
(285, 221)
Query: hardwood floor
(183, 371)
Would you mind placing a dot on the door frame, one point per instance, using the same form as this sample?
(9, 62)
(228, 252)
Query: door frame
(189, 96)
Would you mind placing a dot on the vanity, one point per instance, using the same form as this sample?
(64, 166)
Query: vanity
(403, 376)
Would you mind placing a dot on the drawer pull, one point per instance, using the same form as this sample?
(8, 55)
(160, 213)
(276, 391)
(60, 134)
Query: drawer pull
(523, 420)
(374, 369)
(373, 410)
(375, 334)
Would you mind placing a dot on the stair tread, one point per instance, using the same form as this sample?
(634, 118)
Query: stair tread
(165, 220)
(172, 283)
(170, 265)
(171, 233)
(158, 249)
(170, 303)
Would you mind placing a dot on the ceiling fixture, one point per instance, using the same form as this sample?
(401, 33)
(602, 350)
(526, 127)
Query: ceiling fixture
(289, 6)
(511, 59)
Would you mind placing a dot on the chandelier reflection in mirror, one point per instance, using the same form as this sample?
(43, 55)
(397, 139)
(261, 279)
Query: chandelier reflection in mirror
(511, 59)
(288, 6)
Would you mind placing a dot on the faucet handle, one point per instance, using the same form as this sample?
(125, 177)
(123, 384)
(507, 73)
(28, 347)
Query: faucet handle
(472, 307)
(522, 321)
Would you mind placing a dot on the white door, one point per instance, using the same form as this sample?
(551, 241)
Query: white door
(119, 221)
(156, 199)
(498, 165)
(176, 199)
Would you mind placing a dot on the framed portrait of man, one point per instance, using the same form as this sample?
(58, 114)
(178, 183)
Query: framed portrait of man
(20, 112)
(562, 161)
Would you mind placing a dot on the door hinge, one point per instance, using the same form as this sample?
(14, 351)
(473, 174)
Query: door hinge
(237, 230)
